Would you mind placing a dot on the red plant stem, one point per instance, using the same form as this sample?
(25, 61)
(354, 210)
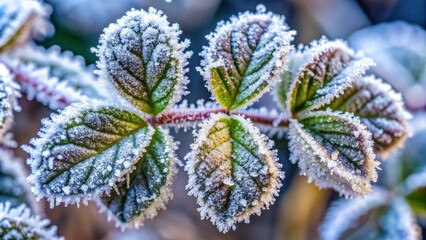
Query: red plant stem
(22, 78)
(173, 117)
(180, 117)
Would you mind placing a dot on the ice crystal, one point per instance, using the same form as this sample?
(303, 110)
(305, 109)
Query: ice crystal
(347, 218)
(85, 150)
(148, 188)
(21, 20)
(9, 91)
(14, 187)
(54, 78)
(335, 151)
(329, 68)
(399, 48)
(380, 109)
(233, 173)
(142, 58)
(19, 223)
(245, 57)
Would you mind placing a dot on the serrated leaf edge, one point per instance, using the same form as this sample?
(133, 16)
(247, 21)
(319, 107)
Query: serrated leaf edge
(166, 191)
(265, 200)
(22, 214)
(49, 127)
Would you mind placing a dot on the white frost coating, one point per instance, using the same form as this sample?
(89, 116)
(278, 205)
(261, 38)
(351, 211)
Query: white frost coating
(11, 165)
(413, 182)
(223, 46)
(317, 164)
(344, 213)
(9, 91)
(29, 18)
(30, 225)
(382, 110)
(399, 48)
(166, 191)
(343, 73)
(55, 124)
(271, 169)
(121, 40)
(53, 77)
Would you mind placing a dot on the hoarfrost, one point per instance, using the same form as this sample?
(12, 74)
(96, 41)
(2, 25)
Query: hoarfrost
(245, 57)
(9, 91)
(142, 59)
(227, 150)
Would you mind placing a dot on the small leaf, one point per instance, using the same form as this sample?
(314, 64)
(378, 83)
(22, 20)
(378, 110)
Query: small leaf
(335, 151)
(417, 198)
(14, 186)
(143, 59)
(371, 217)
(233, 173)
(54, 78)
(148, 188)
(21, 20)
(330, 68)
(9, 91)
(380, 109)
(245, 57)
(85, 151)
(18, 223)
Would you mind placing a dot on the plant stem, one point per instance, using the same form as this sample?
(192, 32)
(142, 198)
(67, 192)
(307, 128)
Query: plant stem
(178, 117)
(175, 117)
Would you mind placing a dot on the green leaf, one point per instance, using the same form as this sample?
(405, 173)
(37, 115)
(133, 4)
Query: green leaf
(14, 187)
(330, 68)
(21, 20)
(233, 173)
(370, 218)
(245, 57)
(148, 188)
(380, 109)
(8, 102)
(143, 59)
(335, 151)
(18, 223)
(85, 151)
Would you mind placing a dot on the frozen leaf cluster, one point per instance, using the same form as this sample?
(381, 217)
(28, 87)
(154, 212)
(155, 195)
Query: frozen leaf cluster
(19, 223)
(339, 116)
(21, 21)
(232, 170)
(54, 78)
(399, 48)
(245, 57)
(105, 151)
(143, 59)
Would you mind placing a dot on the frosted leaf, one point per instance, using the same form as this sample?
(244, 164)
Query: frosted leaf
(233, 173)
(54, 78)
(148, 187)
(399, 48)
(245, 57)
(85, 150)
(368, 218)
(142, 58)
(330, 67)
(14, 186)
(335, 151)
(9, 91)
(19, 223)
(380, 109)
(21, 20)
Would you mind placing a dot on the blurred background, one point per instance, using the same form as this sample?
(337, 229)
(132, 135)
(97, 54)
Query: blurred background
(300, 208)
